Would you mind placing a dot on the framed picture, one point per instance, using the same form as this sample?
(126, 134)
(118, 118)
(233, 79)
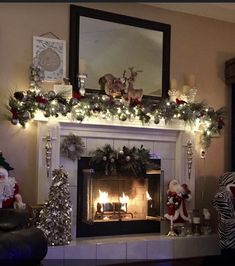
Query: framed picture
(50, 55)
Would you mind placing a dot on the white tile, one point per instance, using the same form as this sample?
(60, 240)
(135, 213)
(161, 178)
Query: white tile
(74, 228)
(185, 247)
(166, 150)
(148, 145)
(78, 262)
(70, 167)
(73, 198)
(80, 251)
(165, 226)
(160, 249)
(119, 143)
(209, 245)
(84, 146)
(56, 252)
(93, 144)
(168, 166)
(137, 250)
(111, 253)
(53, 262)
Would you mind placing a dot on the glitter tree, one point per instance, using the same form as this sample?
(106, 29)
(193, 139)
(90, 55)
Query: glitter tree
(55, 217)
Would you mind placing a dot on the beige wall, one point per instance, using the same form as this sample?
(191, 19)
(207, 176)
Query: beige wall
(198, 45)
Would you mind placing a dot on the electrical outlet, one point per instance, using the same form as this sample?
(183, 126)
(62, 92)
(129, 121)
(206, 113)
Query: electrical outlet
(203, 154)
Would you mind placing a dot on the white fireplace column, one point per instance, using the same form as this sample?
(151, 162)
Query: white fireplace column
(168, 142)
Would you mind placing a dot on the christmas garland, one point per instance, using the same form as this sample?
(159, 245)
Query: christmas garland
(24, 104)
(72, 147)
(112, 161)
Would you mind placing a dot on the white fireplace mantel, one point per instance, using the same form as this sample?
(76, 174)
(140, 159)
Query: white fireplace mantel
(168, 142)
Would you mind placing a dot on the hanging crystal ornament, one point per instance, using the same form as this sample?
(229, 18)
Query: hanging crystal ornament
(81, 83)
(189, 157)
(48, 148)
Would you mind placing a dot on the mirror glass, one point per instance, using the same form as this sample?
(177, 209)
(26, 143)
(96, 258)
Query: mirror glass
(110, 43)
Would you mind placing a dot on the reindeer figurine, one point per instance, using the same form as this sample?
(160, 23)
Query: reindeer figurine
(111, 85)
(133, 94)
(122, 87)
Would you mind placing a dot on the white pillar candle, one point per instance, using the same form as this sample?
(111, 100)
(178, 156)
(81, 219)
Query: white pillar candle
(82, 66)
(196, 220)
(190, 80)
(173, 84)
(185, 89)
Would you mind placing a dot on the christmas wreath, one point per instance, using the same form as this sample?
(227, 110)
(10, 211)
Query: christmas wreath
(72, 147)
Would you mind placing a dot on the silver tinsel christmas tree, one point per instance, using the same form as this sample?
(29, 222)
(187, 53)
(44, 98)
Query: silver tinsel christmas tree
(55, 217)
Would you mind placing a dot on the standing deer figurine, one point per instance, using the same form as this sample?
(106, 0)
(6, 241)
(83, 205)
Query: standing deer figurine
(132, 93)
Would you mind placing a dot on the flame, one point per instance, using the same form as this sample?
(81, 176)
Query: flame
(124, 198)
(148, 196)
(104, 197)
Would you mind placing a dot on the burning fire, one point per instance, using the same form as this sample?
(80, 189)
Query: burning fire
(124, 199)
(103, 197)
(148, 196)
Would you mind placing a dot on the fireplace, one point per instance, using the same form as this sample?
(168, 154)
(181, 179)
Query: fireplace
(117, 204)
(168, 142)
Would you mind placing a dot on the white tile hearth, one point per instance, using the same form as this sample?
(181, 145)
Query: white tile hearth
(111, 251)
(160, 249)
(136, 250)
(120, 249)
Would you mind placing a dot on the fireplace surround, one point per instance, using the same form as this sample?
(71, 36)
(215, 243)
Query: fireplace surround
(166, 142)
(118, 203)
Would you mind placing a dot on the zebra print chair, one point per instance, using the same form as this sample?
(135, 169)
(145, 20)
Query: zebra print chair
(224, 203)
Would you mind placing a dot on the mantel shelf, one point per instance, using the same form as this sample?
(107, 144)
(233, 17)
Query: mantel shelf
(174, 124)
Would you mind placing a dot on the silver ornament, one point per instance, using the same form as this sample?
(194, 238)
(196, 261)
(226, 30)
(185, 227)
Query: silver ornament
(26, 115)
(156, 120)
(41, 106)
(123, 117)
(79, 117)
(73, 101)
(14, 121)
(51, 94)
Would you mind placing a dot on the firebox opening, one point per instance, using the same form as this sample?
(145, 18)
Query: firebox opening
(118, 204)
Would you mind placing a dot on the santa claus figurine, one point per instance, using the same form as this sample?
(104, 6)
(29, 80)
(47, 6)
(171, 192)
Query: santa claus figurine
(9, 192)
(176, 196)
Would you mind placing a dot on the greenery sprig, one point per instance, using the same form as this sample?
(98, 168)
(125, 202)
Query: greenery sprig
(132, 160)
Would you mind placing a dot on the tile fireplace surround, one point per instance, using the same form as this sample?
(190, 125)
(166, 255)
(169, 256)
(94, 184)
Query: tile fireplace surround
(168, 142)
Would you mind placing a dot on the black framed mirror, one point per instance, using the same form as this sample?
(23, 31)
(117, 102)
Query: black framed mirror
(103, 42)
